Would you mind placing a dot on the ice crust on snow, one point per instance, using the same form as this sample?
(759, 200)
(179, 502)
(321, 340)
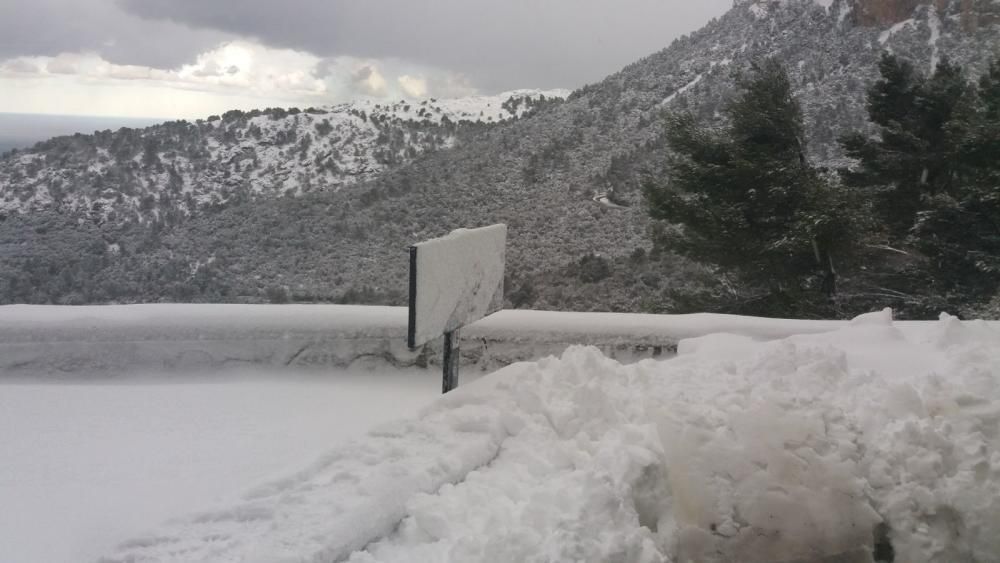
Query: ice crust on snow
(790, 450)
(459, 280)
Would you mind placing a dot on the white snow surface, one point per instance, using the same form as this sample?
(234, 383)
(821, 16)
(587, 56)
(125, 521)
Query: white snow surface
(488, 108)
(84, 467)
(459, 280)
(887, 34)
(735, 450)
(934, 22)
(682, 89)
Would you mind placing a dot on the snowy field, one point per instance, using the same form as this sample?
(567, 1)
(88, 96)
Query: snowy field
(872, 438)
(86, 466)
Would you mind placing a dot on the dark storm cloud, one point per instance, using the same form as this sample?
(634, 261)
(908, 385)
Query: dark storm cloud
(50, 27)
(498, 43)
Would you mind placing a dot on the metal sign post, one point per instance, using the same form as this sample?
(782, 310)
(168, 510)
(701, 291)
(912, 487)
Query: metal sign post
(454, 280)
(452, 354)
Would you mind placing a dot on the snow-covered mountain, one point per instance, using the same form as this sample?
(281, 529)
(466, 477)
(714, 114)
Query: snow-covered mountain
(177, 167)
(542, 175)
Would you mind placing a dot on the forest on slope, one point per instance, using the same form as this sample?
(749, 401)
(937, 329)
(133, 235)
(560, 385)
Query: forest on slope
(538, 174)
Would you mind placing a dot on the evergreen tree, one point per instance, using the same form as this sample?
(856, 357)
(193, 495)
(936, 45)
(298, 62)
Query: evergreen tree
(934, 177)
(912, 156)
(748, 201)
(959, 229)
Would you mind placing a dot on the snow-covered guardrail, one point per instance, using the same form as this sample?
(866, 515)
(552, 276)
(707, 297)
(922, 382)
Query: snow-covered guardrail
(118, 339)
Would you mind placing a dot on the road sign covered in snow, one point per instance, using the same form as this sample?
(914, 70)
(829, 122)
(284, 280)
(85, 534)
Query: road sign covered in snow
(455, 280)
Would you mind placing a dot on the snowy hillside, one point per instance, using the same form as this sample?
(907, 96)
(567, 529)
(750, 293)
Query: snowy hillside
(872, 442)
(487, 109)
(178, 167)
(543, 176)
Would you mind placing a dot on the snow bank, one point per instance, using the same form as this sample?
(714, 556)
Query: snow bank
(791, 450)
(121, 339)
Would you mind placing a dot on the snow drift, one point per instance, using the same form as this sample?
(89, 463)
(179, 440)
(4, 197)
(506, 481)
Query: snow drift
(823, 447)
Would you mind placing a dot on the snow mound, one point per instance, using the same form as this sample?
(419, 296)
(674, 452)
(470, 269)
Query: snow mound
(816, 447)
(877, 318)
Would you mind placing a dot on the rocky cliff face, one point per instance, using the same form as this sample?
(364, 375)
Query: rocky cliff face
(884, 13)
(977, 13)
(972, 14)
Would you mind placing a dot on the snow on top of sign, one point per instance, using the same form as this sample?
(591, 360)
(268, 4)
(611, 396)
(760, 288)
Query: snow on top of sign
(459, 280)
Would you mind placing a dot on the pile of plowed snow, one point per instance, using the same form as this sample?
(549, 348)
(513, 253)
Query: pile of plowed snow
(836, 446)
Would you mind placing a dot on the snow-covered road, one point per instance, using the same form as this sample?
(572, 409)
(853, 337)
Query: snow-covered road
(86, 466)
(801, 449)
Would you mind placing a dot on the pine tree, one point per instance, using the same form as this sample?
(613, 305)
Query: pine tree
(912, 157)
(748, 201)
(934, 175)
(958, 229)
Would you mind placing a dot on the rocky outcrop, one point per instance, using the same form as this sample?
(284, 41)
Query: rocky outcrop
(977, 13)
(972, 14)
(884, 13)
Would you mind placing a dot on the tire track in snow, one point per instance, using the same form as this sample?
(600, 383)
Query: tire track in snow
(349, 498)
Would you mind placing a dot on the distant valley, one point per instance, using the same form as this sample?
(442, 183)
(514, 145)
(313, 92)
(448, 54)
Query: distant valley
(23, 130)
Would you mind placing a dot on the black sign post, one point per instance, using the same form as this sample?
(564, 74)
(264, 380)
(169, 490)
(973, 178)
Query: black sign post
(452, 354)
(411, 326)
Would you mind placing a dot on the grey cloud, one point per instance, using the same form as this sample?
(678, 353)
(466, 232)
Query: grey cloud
(324, 69)
(19, 66)
(51, 27)
(367, 81)
(60, 65)
(211, 68)
(499, 45)
(362, 74)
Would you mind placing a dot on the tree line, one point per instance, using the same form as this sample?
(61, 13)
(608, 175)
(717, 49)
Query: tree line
(912, 222)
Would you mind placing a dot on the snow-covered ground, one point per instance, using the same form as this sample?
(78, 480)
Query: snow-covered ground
(798, 449)
(85, 466)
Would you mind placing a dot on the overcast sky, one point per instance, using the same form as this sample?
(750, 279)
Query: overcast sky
(191, 58)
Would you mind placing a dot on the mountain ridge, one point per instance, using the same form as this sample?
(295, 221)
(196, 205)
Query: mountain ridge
(540, 175)
(178, 166)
